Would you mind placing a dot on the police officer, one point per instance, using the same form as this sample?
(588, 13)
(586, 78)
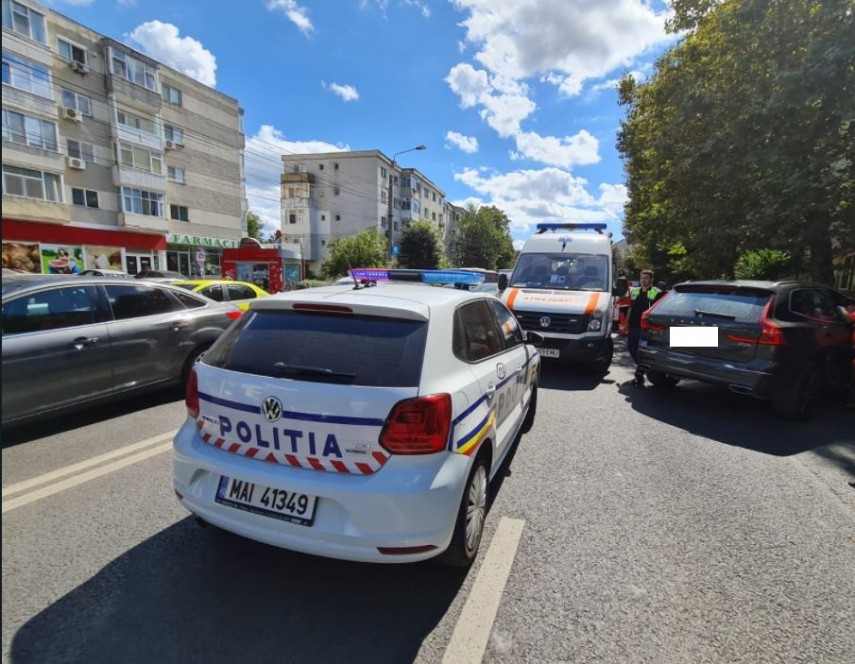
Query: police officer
(641, 299)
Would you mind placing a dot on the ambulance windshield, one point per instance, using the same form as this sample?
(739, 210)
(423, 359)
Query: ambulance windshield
(561, 271)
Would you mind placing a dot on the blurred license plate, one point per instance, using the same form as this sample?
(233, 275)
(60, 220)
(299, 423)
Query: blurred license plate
(258, 499)
(549, 352)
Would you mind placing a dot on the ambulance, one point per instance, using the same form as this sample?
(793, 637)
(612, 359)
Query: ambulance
(562, 288)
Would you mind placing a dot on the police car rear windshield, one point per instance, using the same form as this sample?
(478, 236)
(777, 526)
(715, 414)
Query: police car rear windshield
(561, 271)
(309, 346)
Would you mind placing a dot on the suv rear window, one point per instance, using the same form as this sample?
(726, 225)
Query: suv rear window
(738, 306)
(356, 350)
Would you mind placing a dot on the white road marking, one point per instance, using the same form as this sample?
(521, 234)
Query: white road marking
(51, 489)
(472, 632)
(83, 465)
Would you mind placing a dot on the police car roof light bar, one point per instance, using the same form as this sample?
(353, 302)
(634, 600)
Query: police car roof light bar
(418, 276)
(571, 226)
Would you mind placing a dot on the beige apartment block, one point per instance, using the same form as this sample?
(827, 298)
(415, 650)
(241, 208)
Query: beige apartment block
(113, 155)
(340, 194)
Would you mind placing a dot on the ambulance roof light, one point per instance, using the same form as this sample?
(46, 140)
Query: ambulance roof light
(418, 276)
(571, 226)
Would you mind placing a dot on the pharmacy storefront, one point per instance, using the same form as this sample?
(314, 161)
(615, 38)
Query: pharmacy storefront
(196, 256)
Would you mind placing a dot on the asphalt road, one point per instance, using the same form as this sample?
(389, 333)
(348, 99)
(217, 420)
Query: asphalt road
(683, 526)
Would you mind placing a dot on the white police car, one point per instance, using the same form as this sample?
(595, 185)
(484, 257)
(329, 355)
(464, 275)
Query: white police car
(361, 423)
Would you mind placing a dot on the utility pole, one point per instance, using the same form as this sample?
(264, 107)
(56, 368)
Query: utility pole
(389, 224)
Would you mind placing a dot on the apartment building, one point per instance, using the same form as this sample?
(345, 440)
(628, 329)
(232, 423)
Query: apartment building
(110, 158)
(339, 194)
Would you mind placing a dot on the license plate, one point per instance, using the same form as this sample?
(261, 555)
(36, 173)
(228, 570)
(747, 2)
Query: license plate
(277, 503)
(549, 352)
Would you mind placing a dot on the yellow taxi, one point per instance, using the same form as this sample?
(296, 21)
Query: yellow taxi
(239, 293)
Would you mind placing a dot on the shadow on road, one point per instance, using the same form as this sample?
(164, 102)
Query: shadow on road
(203, 595)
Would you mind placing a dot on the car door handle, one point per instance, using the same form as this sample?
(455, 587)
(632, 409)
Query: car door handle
(80, 342)
(175, 326)
(490, 393)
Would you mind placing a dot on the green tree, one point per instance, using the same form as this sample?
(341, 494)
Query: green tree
(482, 238)
(744, 138)
(253, 225)
(420, 247)
(763, 264)
(366, 249)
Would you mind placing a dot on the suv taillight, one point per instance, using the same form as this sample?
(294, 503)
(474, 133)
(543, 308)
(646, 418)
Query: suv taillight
(646, 324)
(191, 394)
(418, 426)
(770, 332)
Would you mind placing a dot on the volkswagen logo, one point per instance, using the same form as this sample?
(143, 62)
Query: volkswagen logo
(545, 321)
(271, 409)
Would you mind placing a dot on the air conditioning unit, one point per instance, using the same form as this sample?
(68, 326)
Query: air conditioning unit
(72, 114)
(74, 162)
(169, 145)
(79, 67)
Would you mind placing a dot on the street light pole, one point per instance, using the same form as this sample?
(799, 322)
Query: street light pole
(389, 224)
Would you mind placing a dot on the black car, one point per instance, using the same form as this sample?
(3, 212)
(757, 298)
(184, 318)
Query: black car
(786, 341)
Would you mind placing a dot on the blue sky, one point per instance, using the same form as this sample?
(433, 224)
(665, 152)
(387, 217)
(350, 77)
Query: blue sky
(514, 98)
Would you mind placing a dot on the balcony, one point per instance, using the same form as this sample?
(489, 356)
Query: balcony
(125, 176)
(139, 136)
(123, 88)
(36, 209)
(143, 222)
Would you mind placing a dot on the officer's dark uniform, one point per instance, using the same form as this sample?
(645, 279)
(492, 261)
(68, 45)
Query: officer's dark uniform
(640, 302)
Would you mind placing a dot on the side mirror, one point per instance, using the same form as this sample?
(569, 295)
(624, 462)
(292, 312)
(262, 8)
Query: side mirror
(503, 281)
(845, 316)
(533, 337)
(620, 287)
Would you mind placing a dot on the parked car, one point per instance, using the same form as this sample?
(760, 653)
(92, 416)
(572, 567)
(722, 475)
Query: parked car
(239, 293)
(359, 423)
(160, 275)
(783, 341)
(106, 273)
(70, 342)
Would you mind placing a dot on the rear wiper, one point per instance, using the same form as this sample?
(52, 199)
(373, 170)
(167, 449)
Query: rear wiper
(698, 312)
(301, 370)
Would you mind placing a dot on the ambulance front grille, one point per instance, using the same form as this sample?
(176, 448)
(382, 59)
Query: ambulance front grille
(563, 323)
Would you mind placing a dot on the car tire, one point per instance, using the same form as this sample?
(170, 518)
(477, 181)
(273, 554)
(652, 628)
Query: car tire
(528, 421)
(469, 526)
(662, 380)
(604, 360)
(192, 358)
(797, 400)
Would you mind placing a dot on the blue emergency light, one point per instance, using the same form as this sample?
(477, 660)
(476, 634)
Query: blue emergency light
(571, 226)
(418, 276)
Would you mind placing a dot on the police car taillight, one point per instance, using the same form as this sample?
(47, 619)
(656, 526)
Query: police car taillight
(418, 426)
(191, 394)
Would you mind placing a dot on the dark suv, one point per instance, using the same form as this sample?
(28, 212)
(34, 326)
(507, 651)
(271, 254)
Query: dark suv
(783, 341)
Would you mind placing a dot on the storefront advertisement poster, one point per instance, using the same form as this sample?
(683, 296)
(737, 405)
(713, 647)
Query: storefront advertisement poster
(62, 259)
(22, 256)
(104, 258)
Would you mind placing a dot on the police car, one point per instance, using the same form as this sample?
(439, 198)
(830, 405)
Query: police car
(359, 422)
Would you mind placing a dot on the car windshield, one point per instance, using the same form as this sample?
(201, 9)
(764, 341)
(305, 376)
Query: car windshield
(324, 347)
(561, 271)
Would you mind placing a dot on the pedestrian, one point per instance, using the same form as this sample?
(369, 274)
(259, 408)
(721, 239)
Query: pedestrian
(641, 299)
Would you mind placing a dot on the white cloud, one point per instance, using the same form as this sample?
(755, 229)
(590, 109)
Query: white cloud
(346, 92)
(468, 144)
(184, 54)
(582, 149)
(263, 159)
(297, 14)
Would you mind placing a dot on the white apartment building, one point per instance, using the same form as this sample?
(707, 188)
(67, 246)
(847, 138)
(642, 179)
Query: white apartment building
(338, 194)
(110, 157)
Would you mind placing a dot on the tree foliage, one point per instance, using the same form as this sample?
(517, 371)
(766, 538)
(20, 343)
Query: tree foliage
(367, 249)
(763, 264)
(253, 225)
(420, 247)
(744, 138)
(482, 238)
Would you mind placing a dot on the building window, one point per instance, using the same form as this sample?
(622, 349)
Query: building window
(135, 122)
(84, 197)
(31, 184)
(323, 217)
(170, 94)
(141, 158)
(76, 101)
(71, 52)
(179, 212)
(383, 173)
(78, 150)
(173, 134)
(27, 130)
(321, 167)
(292, 192)
(176, 174)
(335, 166)
(384, 197)
(27, 75)
(382, 222)
(395, 225)
(292, 218)
(142, 202)
(335, 190)
(338, 217)
(133, 70)
(23, 20)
